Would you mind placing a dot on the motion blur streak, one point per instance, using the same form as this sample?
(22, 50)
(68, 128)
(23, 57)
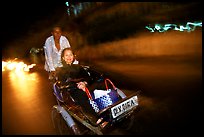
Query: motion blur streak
(16, 66)
(162, 28)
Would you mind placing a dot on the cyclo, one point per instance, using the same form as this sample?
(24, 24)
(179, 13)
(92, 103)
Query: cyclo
(112, 108)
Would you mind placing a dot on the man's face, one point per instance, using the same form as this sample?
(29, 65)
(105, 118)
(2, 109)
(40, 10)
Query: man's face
(57, 33)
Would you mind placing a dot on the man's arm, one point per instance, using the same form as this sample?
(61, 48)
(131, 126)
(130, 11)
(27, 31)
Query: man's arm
(64, 43)
(48, 55)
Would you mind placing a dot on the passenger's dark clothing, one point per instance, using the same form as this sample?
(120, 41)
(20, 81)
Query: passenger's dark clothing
(72, 74)
(76, 72)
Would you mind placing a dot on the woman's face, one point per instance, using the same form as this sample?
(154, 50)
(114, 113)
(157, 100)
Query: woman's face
(68, 56)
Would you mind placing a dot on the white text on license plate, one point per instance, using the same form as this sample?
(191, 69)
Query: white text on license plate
(124, 106)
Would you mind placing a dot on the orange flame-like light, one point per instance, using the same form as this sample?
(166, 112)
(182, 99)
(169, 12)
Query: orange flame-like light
(16, 66)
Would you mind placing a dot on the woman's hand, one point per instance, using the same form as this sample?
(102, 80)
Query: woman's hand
(82, 85)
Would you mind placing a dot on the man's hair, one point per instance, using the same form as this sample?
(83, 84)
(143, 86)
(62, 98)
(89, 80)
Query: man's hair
(56, 27)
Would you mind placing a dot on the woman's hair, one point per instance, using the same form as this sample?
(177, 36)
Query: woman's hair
(62, 54)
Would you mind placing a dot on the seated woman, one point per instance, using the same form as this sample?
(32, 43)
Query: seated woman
(78, 76)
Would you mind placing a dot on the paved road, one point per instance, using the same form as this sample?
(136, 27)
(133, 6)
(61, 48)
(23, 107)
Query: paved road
(170, 99)
(26, 103)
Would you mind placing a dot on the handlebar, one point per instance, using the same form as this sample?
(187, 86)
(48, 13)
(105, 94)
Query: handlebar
(63, 86)
(70, 84)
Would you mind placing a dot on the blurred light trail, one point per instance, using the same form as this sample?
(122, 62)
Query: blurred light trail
(162, 28)
(17, 66)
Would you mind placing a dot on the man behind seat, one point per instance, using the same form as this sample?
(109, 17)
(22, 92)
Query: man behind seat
(53, 47)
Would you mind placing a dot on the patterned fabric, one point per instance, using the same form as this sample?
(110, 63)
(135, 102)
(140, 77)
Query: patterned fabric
(101, 99)
(94, 105)
(105, 100)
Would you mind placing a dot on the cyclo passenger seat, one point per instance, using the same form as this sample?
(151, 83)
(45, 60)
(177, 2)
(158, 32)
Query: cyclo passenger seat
(57, 92)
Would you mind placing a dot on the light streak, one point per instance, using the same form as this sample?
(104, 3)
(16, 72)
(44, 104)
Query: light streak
(162, 28)
(17, 66)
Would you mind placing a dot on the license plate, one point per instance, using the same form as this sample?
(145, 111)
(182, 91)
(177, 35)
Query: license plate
(124, 106)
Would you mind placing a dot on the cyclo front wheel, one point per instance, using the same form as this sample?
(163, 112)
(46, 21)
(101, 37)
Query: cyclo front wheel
(60, 124)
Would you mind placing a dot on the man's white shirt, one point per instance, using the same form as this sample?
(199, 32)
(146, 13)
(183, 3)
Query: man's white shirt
(52, 55)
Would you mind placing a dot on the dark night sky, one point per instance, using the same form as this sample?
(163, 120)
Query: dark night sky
(17, 16)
